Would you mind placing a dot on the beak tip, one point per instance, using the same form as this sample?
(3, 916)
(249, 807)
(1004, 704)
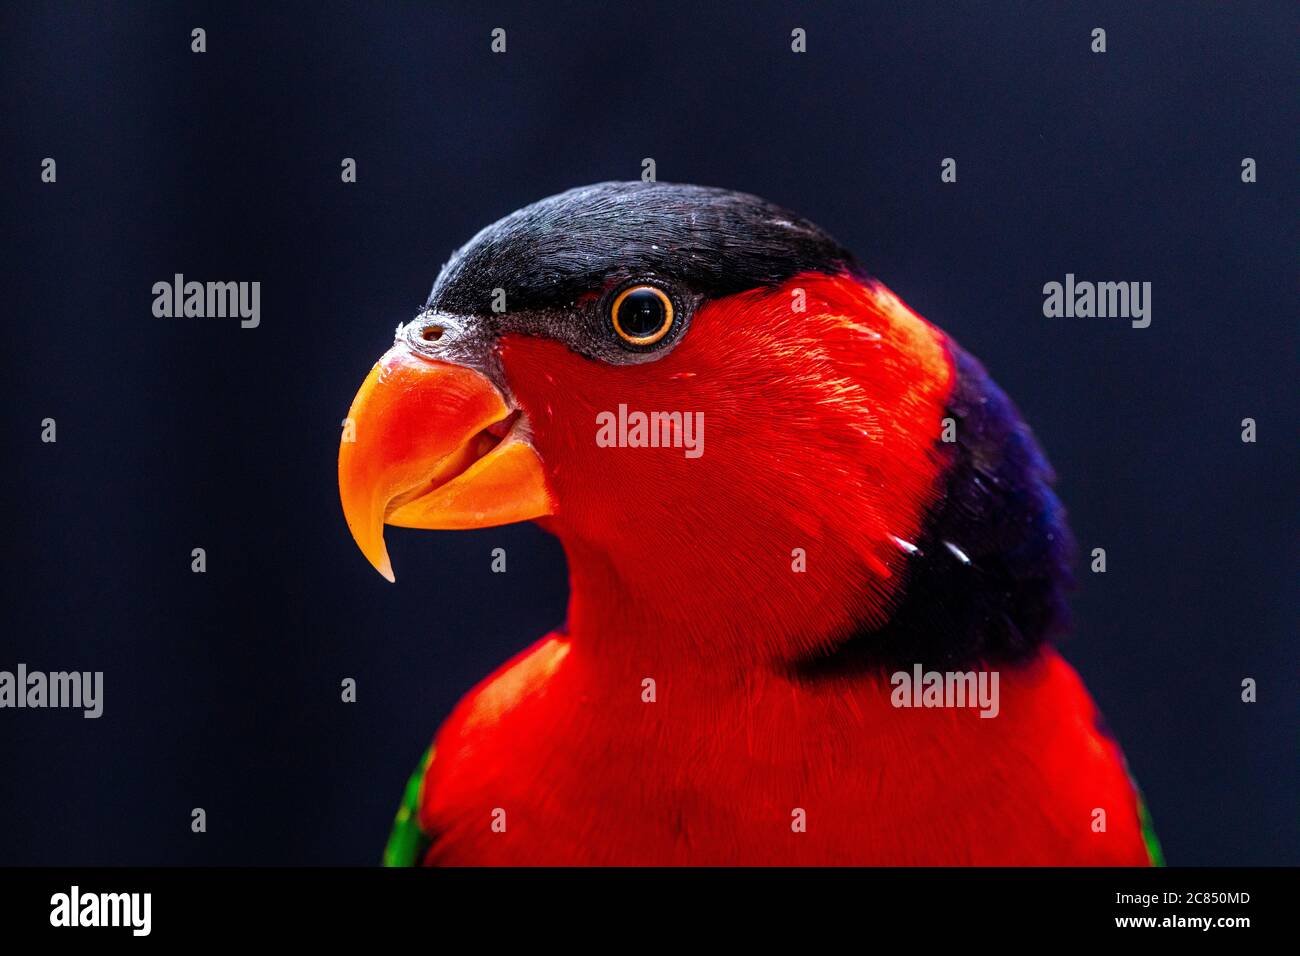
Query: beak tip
(379, 560)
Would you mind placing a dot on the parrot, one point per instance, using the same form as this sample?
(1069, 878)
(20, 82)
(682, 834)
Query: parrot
(824, 636)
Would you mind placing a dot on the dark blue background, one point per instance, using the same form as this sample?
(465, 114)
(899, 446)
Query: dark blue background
(222, 690)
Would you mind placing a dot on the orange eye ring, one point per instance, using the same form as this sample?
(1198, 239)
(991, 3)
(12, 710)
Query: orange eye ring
(637, 295)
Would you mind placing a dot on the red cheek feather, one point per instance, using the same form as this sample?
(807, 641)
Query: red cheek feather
(819, 434)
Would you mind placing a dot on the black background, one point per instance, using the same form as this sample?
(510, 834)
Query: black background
(222, 689)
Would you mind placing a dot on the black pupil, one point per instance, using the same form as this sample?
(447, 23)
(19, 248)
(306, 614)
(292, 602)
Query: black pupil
(641, 313)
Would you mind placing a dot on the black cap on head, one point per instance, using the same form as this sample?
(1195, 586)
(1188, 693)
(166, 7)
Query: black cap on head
(712, 241)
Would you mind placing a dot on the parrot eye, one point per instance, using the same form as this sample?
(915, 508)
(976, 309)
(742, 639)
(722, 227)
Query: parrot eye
(642, 314)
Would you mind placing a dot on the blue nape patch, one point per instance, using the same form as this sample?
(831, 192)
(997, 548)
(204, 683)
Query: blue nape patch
(986, 582)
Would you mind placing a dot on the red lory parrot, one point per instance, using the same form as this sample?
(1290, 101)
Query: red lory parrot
(816, 563)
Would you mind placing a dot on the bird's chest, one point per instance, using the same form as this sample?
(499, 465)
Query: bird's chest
(575, 776)
(766, 773)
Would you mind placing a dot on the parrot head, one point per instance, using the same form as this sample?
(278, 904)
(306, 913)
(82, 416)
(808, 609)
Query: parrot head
(740, 439)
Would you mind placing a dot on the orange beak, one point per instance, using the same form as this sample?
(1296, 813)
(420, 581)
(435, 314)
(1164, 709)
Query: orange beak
(433, 445)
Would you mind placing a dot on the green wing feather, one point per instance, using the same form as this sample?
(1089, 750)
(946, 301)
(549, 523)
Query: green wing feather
(1148, 831)
(407, 843)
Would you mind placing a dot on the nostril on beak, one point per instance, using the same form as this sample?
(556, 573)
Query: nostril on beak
(432, 333)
